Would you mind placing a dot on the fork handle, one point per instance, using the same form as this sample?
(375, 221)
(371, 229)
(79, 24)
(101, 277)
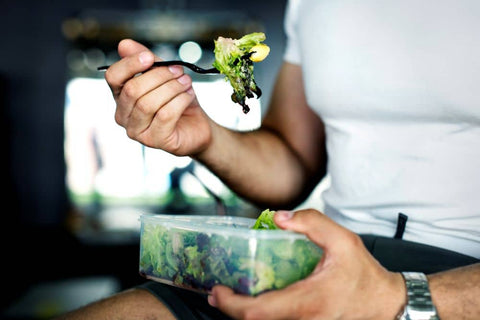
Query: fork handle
(191, 66)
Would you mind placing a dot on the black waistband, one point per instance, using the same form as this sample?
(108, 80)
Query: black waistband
(401, 255)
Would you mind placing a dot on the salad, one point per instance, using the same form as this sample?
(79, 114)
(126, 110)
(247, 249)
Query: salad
(249, 258)
(234, 58)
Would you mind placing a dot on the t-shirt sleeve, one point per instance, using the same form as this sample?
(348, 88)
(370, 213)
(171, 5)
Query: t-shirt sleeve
(292, 49)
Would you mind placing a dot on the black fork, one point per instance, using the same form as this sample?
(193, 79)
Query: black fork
(191, 66)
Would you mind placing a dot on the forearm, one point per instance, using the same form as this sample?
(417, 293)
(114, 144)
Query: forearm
(279, 164)
(256, 165)
(456, 293)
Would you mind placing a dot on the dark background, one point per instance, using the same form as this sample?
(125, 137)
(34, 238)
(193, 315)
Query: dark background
(36, 245)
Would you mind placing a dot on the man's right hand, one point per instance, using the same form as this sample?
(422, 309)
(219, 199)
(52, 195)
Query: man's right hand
(158, 107)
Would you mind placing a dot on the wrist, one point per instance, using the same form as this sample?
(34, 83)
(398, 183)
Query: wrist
(390, 300)
(398, 296)
(419, 305)
(206, 152)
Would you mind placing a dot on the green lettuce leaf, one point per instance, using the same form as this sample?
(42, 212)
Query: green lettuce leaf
(232, 58)
(198, 261)
(265, 221)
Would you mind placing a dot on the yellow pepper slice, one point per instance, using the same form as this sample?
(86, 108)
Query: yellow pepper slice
(260, 52)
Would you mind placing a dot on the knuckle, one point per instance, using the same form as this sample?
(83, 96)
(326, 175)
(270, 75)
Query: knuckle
(130, 90)
(132, 133)
(143, 107)
(164, 115)
(109, 77)
(354, 240)
(118, 119)
(307, 215)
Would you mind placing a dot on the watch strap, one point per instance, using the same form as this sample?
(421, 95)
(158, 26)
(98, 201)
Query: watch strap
(419, 300)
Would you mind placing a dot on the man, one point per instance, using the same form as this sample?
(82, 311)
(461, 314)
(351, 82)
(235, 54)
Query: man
(382, 97)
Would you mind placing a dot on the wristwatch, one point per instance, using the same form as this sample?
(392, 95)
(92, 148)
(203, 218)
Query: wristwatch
(419, 301)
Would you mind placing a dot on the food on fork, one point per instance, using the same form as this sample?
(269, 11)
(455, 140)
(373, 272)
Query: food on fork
(234, 58)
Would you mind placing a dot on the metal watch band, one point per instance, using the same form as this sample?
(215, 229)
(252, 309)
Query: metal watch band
(419, 301)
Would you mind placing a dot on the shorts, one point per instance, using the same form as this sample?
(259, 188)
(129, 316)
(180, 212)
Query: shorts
(394, 254)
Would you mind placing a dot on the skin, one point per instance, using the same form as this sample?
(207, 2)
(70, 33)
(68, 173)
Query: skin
(348, 283)
(132, 304)
(160, 112)
(159, 108)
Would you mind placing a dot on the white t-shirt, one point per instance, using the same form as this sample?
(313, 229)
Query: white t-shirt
(397, 84)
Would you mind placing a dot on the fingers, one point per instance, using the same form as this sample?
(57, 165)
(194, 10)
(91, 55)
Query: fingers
(226, 300)
(136, 58)
(141, 97)
(241, 306)
(140, 92)
(318, 227)
(161, 109)
(147, 105)
(150, 102)
(128, 47)
(121, 71)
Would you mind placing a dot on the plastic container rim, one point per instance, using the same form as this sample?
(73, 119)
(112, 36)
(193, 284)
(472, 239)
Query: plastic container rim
(221, 225)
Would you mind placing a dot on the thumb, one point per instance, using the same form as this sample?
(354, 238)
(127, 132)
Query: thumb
(318, 227)
(128, 47)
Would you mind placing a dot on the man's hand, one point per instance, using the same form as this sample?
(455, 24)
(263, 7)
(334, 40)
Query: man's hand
(157, 107)
(348, 283)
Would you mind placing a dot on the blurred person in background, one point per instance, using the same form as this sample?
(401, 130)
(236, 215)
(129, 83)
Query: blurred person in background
(380, 96)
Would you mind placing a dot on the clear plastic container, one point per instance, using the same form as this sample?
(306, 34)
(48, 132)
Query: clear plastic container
(197, 252)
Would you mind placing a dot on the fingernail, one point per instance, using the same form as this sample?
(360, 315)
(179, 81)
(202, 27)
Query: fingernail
(212, 301)
(184, 79)
(145, 58)
(176, 70)
(283, 215)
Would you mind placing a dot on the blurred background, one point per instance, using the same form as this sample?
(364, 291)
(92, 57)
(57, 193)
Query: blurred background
(73, 184)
